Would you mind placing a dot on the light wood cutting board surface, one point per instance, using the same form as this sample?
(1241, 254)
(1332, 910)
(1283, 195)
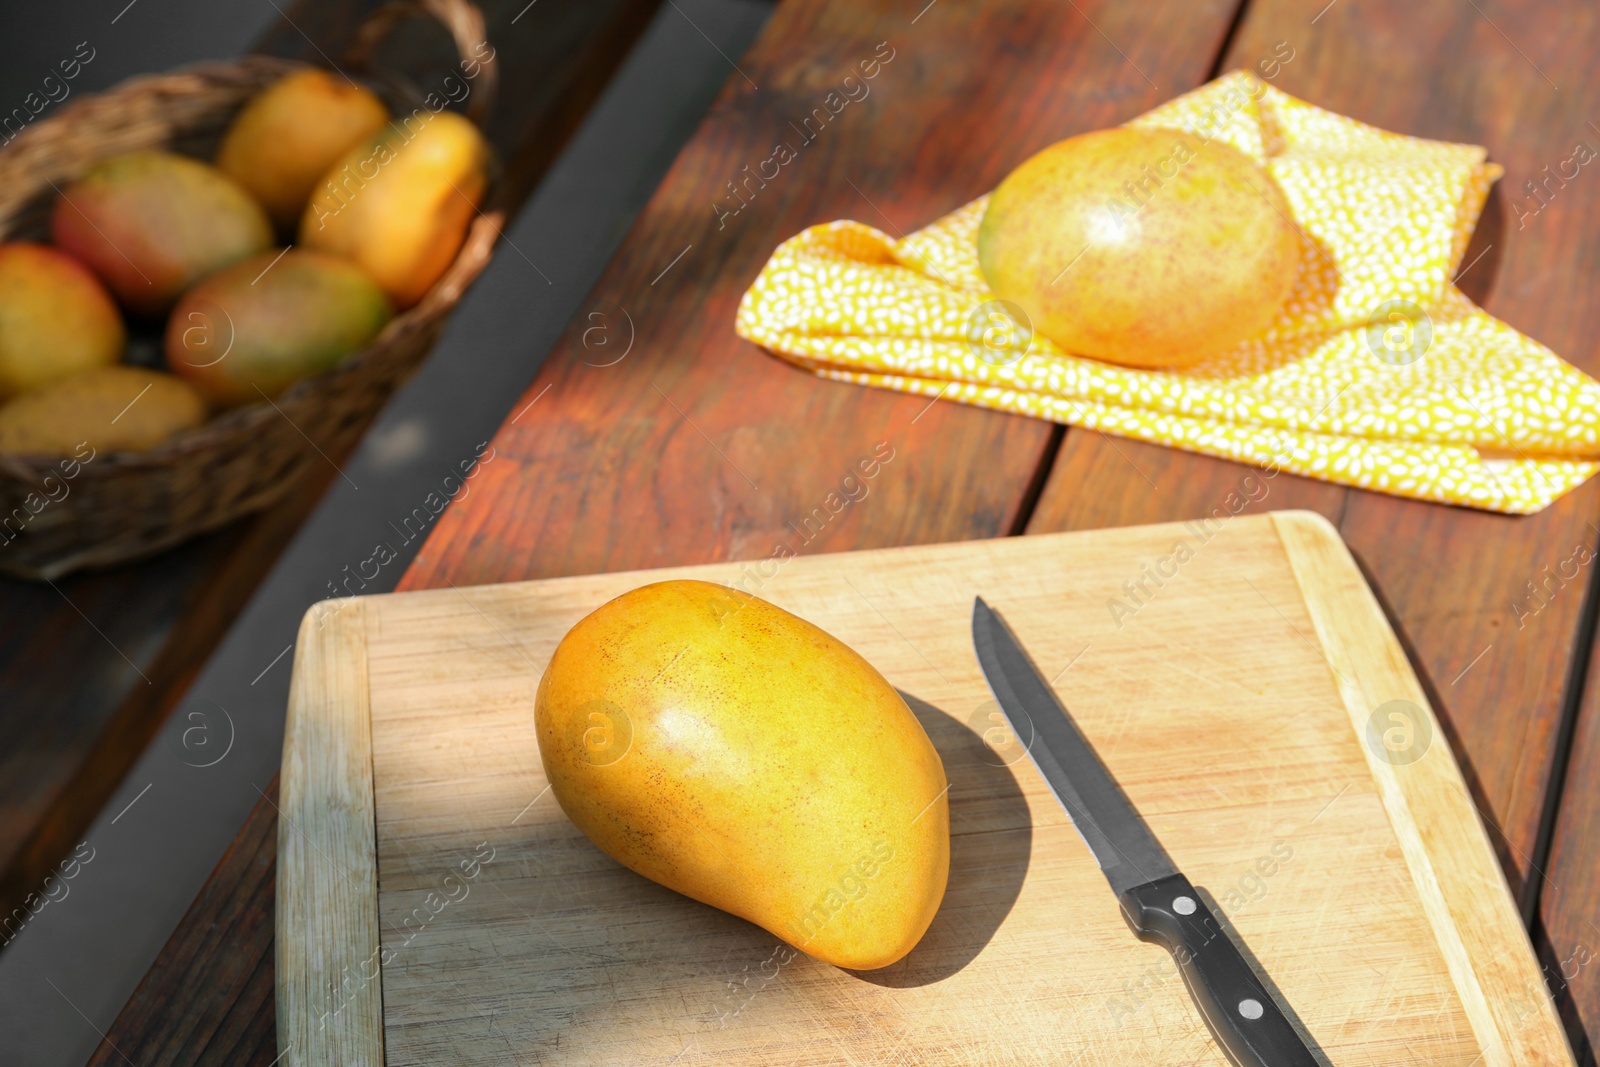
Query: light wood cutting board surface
(435, 906)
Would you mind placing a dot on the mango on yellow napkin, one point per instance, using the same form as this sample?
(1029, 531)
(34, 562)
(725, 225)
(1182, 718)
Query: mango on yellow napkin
(1379, 373)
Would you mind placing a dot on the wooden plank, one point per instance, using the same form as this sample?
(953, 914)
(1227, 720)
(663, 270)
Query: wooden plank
(571, 958)
(1452, 579)
(228, 946)
(1464, 893)
(696, 446)
(330, 984)
(1567, 931)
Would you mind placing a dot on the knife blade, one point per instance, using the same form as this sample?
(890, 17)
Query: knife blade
(1159, 904)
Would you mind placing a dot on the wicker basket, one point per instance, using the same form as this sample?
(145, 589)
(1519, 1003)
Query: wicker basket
(123, 506)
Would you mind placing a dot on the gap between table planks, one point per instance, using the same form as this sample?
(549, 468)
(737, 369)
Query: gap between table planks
(410, 740)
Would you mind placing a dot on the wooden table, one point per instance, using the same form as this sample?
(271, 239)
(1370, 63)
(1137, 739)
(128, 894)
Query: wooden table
(699, 447)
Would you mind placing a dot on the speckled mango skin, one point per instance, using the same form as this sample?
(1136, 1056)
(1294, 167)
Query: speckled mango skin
(1198, 256)
(55, 318)
(771, 771)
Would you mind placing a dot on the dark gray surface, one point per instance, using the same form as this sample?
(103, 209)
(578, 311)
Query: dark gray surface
(1128, 853)
(120, 39)
(70, 971)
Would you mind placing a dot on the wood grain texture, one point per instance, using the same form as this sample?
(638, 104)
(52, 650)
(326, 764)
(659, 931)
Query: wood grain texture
(1452, 579)
(330, 985)
(697, 446)
(229, 947)
(1233, 714)
(1568, 927)
(1462, 889)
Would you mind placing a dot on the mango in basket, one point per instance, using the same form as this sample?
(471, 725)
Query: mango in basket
(151, 224)
(400, 203)
(285, 139)
(736, 753)
(250, 331)
(113, 409)
(1141, 246)
(55, 318)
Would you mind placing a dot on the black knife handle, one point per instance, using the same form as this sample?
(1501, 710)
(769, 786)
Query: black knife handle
(1245, 1021)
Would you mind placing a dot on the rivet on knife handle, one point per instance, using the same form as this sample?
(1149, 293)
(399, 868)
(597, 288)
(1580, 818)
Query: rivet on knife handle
(1239, 1012)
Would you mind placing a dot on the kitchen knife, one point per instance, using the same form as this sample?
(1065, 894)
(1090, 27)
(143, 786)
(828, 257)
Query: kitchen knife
(1158, 902)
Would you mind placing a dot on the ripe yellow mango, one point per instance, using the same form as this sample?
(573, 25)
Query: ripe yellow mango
(399, 204)
(111, 409)
(284, 140)
(740, 755)
(151, 224)
(55, 318)
(251, 330)
(1147, 247)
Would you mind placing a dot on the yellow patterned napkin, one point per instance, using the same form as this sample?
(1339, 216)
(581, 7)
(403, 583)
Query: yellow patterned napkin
(1379, 373)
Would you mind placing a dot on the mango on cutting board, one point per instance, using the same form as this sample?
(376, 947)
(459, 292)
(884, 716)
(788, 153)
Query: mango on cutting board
(56, 319)
(151, 224)
(736, 753)
(1148, 247)
(284, 140)
(114, 409)
(399, 204)
(252, 330)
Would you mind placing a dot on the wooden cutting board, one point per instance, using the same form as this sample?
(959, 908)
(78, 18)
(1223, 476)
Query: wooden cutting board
(436, 907)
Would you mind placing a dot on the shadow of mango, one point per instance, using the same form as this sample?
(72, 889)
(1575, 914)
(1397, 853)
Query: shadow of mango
(991, 839)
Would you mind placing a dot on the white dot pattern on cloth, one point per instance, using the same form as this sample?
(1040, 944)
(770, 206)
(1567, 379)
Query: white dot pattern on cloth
(1482, 416)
